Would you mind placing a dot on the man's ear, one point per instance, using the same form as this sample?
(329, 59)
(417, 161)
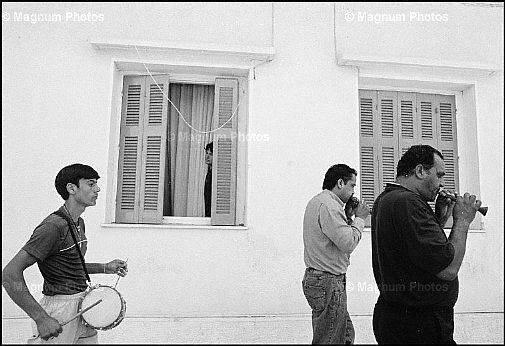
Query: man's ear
(71, 188)
(340, 183)
(419, 171)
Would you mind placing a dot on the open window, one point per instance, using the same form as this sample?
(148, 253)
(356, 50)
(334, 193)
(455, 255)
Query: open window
(164, 129)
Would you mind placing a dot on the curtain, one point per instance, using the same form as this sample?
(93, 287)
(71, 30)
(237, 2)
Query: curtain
(186, 168)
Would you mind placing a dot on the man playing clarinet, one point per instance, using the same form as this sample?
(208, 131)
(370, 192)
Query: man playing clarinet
(415, 265)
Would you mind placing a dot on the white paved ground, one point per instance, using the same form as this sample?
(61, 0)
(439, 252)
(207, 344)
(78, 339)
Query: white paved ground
(475, 328)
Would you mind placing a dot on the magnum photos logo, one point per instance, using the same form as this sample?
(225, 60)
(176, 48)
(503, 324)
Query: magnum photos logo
(34, 18)
(379, 18)
(187, 136)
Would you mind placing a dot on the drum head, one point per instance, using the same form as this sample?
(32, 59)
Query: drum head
(105, 313)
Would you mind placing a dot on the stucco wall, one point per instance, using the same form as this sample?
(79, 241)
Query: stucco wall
(56, 106)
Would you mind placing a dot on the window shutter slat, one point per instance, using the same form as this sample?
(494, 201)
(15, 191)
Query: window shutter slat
(428, 123)
(389, 150)
(446, 122)
(129, 175)
(388, 165)
(152, 173)
(154, 150)
(426, 120)
(129, 166)
(447, 145)
(369, 163)
(387, 117)
(366, 116)
(409, 121)
(368, 191)
(447, 140)
(156, 104)
(133, 104)
(450, 169)
(407, 118)
(224, 179)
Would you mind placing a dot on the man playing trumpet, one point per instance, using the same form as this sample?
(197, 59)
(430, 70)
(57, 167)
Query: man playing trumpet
(415, 265)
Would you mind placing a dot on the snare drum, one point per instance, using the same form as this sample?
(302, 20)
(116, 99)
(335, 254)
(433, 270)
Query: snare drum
(106, 315)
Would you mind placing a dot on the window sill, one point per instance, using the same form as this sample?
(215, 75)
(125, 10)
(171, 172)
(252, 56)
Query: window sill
(192, 221)
(172, 227)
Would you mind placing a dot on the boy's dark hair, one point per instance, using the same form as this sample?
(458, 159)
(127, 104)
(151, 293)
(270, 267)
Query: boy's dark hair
(417, 154)
(336, 172)
(210, 147)
(72, 174)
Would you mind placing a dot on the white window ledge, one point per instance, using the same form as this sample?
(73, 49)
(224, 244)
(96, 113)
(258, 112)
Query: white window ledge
(427, 65)
(245, 56)
(172, 227)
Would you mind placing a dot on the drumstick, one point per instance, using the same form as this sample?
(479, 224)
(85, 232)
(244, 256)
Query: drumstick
(119, 277)
(78, 314)
(82, 311)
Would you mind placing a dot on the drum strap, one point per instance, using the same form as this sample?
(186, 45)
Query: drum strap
(71, 225)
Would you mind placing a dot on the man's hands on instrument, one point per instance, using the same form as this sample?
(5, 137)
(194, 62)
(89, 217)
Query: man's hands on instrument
(48, 327)
(118, 267)
(465, 208)
(356, 207)
(349, 210)
(444, 206)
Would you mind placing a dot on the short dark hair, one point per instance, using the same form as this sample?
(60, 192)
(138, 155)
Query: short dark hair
(415, 155)
(210, 147)
(336, 172)
(72, 174)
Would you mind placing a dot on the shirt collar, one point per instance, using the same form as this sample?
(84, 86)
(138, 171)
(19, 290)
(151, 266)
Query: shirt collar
(396, 186)
(335, 197)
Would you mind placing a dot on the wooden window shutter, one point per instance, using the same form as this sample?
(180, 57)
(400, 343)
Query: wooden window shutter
(391, 122)
(446, 141)
(224, 165)
(426, 104)
(132, 119)
(387, 102)
(154, 150)
(142, 150)
(445, 111)
(428, 123)
(368, 145)
(408, 121)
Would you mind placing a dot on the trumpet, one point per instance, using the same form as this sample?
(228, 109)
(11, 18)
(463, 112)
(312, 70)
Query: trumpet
(448, 194)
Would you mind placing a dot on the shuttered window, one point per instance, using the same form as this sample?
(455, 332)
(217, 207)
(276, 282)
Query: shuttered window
(224, 180)
(142, 151)
(391, 122)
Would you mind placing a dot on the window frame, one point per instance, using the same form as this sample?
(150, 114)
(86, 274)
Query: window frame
(466, 125)
(177, 74)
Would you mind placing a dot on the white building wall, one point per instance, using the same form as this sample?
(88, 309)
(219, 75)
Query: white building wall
(56, 108)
